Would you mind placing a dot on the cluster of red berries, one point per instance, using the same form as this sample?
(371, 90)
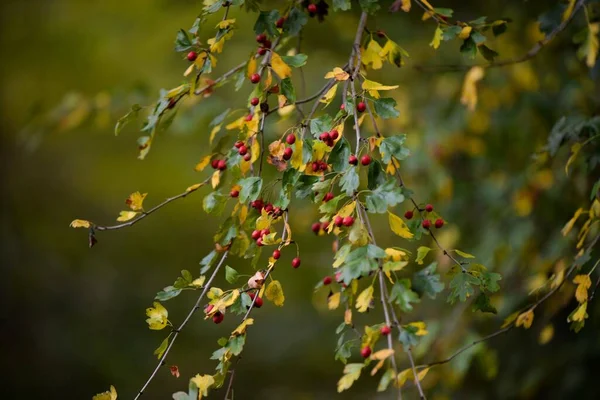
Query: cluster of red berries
(243, 150)
(329, 138)
(217, 317)
(288, 151)
(258, 302)
(259, 205)
(258, 235)
(265, 44)
(337, 221)
(364, 160)
(219, 164)
(426, 222)
(319, 166)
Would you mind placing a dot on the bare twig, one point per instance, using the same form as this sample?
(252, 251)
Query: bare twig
(176, 332)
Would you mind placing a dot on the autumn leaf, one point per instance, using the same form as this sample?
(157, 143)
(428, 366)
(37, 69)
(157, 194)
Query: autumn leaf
(274, 292)
(338, 74)
(109, 395)
(525, 319)
(546, 334)
(224, 24)
(363, 301)
(241, 329)
(382, 354)
(256, 281)
(203, 163)
(194, 187)
(126, 216)
(157, 316)
(569, 226)
(80, 223)
(463, 254)
(408, 374)
(373, 87)
(394, 254)
(580, 313)
(406, 5)
(398, 226)
(279, 66)
(469, 89)
(574, 152)
(583, 283)
(437, 38)
(421, 328)
(203, 383)
(351, 374)
(135, 201)
(328, 97)
(333, 301)
(465, 32)
(422, 252)
(371, 55)
(174, 371)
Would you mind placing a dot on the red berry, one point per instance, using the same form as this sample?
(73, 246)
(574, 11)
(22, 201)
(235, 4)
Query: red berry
(255, 78)
(325, 225)
(338, 221)
(243, 150)
(255, 234)
(262, 51)
(324, 136)
(426, 224)
(222, 165)
(218, 317)
(408, 214)
(280, 22)
(214, 163)
(238, 144)
(326, 280)
(259, 242)
(265, 231)
(386, 330)
(323, 165)
(234, 193)
(277, 211)
(429, 208)
(290, 139)
(342, 107)
(334, 134)
(361, 106)
(296, 262)
(287, 153)
(254, 101)
(258, 302)
(249, 117)
(439, 223)
(267, 44)
(208, 308)
(276, 254)
(312, 8)
(269, 208)
(191, 56)
(365, 352)
(348, 221)
(261, 38)
(257, 204)
(315, 166)
(328, 196)
(365, 160)
(247, 157)
(352, 160)
(274, 89)
(316, 227)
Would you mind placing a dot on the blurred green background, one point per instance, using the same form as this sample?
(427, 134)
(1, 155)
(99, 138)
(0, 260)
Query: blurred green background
(73, 320)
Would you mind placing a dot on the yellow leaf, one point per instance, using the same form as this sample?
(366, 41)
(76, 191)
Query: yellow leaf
(370, 55)
(421, 328)
(333, 301)
(194, 187)
(569, 10)
(279, 66)
(251, 69)
(264, 221)
(437, 38)
(109, 395)
(546, 334)
(216, 46)
(203, 383)
(395, 254)
(592, 44)
(224, 24)
(237, 124)
(382, 354)
(267, 82)
(348, 317)
(463, 254)
(216, 179)
(465, 32)
(469, 89)
(574, 152)
(243, 214)
(580, 314)
(203, 163)
(157, 316)
(525, 319)
(135, 201)
(80, 223)
(509, 320)
(269, 240)
(372, 87)
(426, 3)
(393, 53)
(363, 301)
(338, 74)
(347, 210)
(319, 150)
(255, 150)
(583, 283)
(199, 282)
(177, 91)
(408, 374)
(405, 5)
(126, 215)
(189, 70)
(274, 293)
(377, 367)
(277, 148)
(241, 329)
(351, 374)
(569, 226)
(296, 161)
(398, 226)
(213, 133)
(328, 97)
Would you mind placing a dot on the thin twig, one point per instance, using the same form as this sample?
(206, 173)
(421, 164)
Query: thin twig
(176, 332)
(223, 77)
(527, 56)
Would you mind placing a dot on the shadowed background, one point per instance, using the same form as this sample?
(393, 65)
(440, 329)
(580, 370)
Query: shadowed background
(74, 318)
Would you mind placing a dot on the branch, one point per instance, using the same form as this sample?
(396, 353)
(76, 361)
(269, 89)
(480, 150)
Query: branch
(527, 56)
(223, 77)
(153, 209)
(161, 361)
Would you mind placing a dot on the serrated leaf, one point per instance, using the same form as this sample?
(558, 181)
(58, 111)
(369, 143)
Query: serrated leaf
(398, 226)
(231, 275)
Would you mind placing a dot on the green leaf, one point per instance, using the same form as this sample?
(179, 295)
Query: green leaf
(214, 203)
(330, 207)
(304, 186)
(357, 264)
(231, 275)
(341, 5)
(344, 351)
(450, 32)
(375, 176)
(161, 349)
(468, 48)
(408, 336)
(463, 254)
(195, 26)
(182, 41)
(385, 108)
(478, 37)
(393, 146)
(349, 182)
(251, 188)
(338, 158)
(236, 344)
(375, 251)
(499, 28)
(167, 293)
(324, 123)
(487, 53)
(266, 22)
(488, 280)
(294, 22)
(386, 379)
(387, 195)
(421, 254)
(287, 89)
(461, 287)
(295, 61)
(482, 303)
(403, 296)
(427, 282)
(444, 12)
(124, 120)
(595, 190)
(369, 6)
(207, 261)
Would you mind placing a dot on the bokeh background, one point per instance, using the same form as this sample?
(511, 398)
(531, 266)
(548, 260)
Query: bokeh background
(73, 317)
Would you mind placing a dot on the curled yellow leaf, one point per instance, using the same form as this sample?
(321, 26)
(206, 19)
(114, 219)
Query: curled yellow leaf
(80, 223)
(338, 74)
(126, 216)
(279, 66)
(469, 89)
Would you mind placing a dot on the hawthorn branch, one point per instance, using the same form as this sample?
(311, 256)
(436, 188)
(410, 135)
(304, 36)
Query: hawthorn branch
(525, 57)
(220, 79)
(153, 209)
(176, 332)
